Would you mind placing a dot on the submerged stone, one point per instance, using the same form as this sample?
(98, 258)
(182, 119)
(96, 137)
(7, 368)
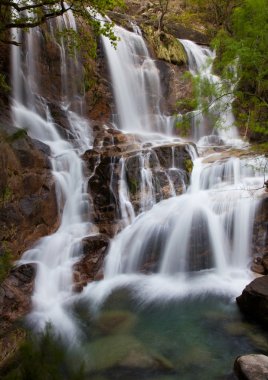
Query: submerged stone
(122, 351)
(114, 321)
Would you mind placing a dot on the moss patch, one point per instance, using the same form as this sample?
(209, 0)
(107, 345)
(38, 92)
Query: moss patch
(188, 165)
(166, 46)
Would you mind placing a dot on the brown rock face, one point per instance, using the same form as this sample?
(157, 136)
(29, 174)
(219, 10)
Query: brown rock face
(253, 301)
(28, 211)
(89, 267)
(260, 232)
(28, 207)
(175, 86)
(251, 367)
(118, 159)
(15, 293)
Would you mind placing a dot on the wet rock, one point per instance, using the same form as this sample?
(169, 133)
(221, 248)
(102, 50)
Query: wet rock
(94, 243)
(253, 301)
(265, 262)
(28, 211)
(260, 233)
(88, 268)
(15, 293)
(27, 190)
(258, 268)
(144, 171)
(251, 367)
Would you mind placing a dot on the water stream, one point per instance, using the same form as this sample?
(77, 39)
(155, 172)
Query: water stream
(136, 85)
(55, 254)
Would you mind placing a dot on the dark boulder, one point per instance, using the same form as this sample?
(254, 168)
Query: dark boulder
(253, 302)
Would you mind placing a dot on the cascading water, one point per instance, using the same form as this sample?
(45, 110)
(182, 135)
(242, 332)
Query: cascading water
(200, 61)
(136, 85)
(54, 255)
(207, 222)
(189, 244)
(199, 230)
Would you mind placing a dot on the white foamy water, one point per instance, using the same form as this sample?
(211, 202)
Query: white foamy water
(54, 255)
(136, 84)
(196, 243)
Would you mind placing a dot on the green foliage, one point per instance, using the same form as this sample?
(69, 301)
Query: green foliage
(6, 195)
(207, 99)
(260, 148)
(247, 45)
(3, 84)
(46, 357)
(19, 134)
(27, 14)
(5, 261)
(188, 165)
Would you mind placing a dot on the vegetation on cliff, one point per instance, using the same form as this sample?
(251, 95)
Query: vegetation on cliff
(246, 44)
(239, 32)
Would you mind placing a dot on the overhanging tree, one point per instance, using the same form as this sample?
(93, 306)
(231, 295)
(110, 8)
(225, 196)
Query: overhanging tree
(24, 14)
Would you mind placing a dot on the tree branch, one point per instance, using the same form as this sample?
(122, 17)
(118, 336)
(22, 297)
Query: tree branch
(39, 21)
(10, 42)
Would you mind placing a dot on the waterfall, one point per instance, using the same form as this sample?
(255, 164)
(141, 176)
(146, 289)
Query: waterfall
(54, 255)
(136, 84)
(200, 61)
(193, 239)
(192, 232)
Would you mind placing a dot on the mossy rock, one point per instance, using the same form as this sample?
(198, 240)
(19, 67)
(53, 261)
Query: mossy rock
(188, 165)
(166, 46)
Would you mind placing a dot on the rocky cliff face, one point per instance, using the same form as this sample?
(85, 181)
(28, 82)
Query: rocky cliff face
(121, 165)
(28, 211)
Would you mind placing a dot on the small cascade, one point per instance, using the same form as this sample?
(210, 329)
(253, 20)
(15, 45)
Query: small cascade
(133, 181)
(199, 230)
(54, 255)
(126, 208)
(136, 84)
(200, 61)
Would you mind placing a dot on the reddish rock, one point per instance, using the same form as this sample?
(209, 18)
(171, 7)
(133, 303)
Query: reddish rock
(15, 295)
(89, 268)
(28, 207)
